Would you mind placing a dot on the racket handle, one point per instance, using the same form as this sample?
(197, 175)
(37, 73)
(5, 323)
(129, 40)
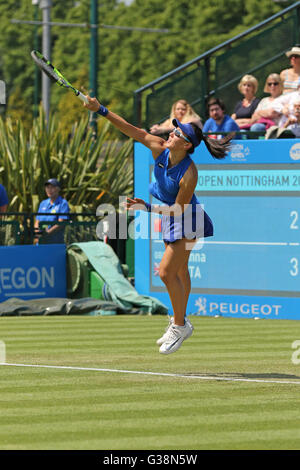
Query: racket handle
(82, 97)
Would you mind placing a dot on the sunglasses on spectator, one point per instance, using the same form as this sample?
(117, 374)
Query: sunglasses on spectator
(273, 83)
(295, 56)
(179, 134)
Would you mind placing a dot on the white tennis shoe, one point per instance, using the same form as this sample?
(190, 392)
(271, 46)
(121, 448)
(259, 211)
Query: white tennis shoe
(161, 340)
(175, 336)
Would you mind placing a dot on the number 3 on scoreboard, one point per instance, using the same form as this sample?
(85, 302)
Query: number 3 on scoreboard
(294, 271)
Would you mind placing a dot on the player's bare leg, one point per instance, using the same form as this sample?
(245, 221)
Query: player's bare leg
(174, 273)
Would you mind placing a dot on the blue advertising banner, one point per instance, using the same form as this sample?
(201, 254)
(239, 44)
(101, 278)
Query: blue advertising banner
(32, 272)
(250, 267)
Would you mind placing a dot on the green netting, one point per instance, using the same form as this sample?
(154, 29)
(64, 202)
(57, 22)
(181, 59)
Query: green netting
(259, 55)
(191, 87)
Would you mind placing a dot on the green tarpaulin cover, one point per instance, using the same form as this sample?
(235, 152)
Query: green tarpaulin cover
(107, 264)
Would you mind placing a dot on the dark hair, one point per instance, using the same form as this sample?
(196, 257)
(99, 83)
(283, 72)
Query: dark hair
(217, 148)
(216, 101)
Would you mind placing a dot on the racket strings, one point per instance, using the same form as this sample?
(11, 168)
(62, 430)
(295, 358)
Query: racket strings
(54, 74)
(49, 70)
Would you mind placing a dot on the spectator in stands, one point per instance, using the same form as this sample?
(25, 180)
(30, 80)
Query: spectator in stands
(3, 199)
(218, 120)
(293, 122)
(53, 205)
(291, 127)
(284, 104)
(291, 77)
(265, 116)
(180, 110)
(245, 108)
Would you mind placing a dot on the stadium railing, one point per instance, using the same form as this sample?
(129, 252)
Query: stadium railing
(259, 51)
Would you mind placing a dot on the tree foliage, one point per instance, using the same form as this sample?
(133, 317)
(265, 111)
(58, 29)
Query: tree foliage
(127, 59)
(91, 172)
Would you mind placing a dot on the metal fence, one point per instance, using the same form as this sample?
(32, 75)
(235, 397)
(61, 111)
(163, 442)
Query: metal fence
(17, 228)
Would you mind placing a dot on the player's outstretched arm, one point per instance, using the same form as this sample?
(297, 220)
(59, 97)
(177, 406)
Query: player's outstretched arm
(154, 143)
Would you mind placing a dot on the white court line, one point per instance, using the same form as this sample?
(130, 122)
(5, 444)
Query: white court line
(159, 374)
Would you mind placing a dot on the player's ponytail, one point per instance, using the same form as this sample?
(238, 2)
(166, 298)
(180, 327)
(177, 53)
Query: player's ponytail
(217, 148)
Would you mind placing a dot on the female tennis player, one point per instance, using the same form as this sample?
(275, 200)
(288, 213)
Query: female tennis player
(183, 219)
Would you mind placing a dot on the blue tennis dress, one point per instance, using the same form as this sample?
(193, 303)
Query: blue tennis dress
(194, 222)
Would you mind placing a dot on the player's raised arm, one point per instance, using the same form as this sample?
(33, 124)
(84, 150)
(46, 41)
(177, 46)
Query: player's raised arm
(154, 143)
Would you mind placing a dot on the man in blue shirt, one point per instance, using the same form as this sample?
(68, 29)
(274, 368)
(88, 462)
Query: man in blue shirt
(3, 199)
(55, 204)
(218, 120)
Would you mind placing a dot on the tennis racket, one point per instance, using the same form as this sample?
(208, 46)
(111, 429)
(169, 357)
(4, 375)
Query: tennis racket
(55, 74)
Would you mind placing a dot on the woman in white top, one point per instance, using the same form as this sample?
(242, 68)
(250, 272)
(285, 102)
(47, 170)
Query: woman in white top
(293, 121)
(291, 77)
(265, 116)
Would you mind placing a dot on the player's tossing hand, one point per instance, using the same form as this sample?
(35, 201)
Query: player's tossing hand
(135, 204)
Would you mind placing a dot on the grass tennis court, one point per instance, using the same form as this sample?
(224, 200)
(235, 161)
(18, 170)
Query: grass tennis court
(77, 409)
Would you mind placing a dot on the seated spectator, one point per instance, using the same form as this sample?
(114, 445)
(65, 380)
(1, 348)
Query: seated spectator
(291, 127)
(265, 116)
(180, 110)
(218, 120)
(55, 204)
(284, 105)
(245, 108)
(3, 199)
(293, 122)
(291, 77)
